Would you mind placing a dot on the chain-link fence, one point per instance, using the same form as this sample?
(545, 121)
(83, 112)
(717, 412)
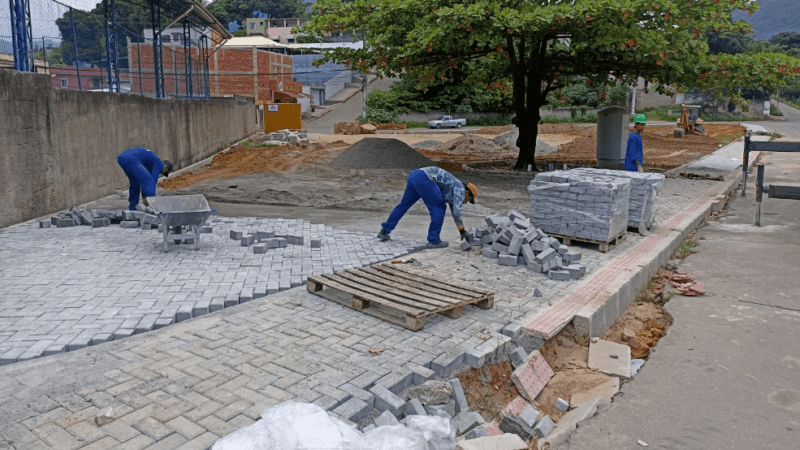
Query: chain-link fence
(108, 46)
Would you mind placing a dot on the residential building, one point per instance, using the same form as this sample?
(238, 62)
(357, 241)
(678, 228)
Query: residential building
(279, 30)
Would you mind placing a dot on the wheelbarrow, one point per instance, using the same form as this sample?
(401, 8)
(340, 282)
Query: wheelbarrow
(181, 217)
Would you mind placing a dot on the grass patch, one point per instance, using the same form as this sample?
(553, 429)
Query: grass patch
(686, 249)
(251, 144)
(481, 122)
(663, 113)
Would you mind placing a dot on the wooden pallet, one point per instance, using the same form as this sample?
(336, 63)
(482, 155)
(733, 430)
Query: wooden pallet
(603, 247)
(397, 295)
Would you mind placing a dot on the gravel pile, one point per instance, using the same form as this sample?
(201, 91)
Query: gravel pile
(470, 144)
(377, 153)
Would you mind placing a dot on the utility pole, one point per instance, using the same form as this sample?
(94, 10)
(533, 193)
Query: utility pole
(364, 91)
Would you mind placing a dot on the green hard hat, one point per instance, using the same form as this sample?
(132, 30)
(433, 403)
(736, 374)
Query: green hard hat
(640, 118)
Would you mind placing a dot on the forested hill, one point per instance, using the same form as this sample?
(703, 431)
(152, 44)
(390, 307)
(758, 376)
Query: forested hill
(774, 16)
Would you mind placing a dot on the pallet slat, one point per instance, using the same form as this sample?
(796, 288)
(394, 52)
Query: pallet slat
(398, 296)
(603, 247)
(441, 284)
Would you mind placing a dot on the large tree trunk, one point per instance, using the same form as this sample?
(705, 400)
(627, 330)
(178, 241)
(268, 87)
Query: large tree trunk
(528, 132)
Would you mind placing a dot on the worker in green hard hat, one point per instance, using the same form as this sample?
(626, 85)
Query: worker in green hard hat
(634, 154)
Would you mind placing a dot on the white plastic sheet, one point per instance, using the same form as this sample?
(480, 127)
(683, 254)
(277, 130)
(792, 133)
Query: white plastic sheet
(294, 426)
(395, 437)
(432, 427)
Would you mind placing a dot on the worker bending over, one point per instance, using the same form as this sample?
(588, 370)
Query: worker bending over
(634, 154)
(437, 188)
(143, 168)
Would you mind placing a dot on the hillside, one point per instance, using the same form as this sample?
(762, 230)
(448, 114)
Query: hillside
(774, 16)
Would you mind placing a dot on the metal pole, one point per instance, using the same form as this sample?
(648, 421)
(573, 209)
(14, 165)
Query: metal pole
(187, 56)
(364, 99)
(158, 62)
(13, 12)
(139, 61)
(175, 72)
(44, 51)
(745, 162)
(108, 46)
(115, 42)
(759, 192)
(205, 57)
(75, 47)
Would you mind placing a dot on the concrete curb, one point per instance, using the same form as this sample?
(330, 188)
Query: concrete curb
(600, 314)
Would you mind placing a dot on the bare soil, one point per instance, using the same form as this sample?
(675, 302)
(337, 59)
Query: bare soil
(489, 389)
(641, 327)
(661, 149)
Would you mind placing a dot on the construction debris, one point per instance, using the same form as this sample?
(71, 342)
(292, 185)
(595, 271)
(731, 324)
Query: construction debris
(286, 137)
(610, 358)
(685, 285)
(512, 240)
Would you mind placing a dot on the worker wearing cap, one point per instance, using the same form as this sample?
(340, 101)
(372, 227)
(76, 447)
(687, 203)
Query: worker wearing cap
(143, 168)
(634, 155)
(437, 188)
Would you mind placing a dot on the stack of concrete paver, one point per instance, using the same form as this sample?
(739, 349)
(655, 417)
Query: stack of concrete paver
(512, 240)
(286, 137)
(102, 218)
(580, 205)
(645, 191)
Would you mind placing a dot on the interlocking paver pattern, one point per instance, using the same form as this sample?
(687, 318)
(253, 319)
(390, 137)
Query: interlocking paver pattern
(80, 286)
(220, 370)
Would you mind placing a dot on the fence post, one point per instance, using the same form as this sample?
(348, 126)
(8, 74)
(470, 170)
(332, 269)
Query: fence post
(75, 47)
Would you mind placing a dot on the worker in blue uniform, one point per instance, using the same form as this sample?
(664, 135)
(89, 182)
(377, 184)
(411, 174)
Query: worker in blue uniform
(143, 168)
(437, 188)
(634, 154)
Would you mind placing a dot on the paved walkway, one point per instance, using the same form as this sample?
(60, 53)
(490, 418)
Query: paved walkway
(194, 381)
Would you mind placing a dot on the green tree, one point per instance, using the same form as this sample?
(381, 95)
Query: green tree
(788, 40)
(542, 43)
(730, 43)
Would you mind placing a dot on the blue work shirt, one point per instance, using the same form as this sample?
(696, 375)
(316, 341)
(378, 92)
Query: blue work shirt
(452, 189)
(142, 168)
(634, 152)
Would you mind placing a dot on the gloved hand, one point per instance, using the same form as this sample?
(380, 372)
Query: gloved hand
(639, 167)
(467, 237)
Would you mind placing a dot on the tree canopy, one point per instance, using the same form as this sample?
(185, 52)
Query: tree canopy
(541, 44)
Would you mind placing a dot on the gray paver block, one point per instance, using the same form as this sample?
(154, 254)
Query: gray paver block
(559, 275)
(448, 408)
(458, 395)
(386, 419)
(44, 223)
(467, 420)
(529, 415)
(562, 405)
(354, 409)
(512, 330)
(544, 427)
(514, 425)
(447, 364)
(250, 239)
(414, 408)
(421, 374)
(504, 259)
(515, 246)
(500, 248)
(476, 433)
(260, 248)
(129, 224)
(387, 400)
(489, 253)
(237, 235)
(518, 357)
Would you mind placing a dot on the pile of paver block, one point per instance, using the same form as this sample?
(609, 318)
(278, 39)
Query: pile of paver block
(645, 191)
(580, 205)
(263, 240)
(286, 137)
(103, 218)
(512, 240)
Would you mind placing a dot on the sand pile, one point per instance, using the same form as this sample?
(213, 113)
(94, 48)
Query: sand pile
(509, 139)
(377, 153)
(471, 144)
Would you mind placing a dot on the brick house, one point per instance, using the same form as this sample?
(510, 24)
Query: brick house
(251, 71)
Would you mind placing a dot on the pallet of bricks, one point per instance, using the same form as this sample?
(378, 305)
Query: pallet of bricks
(645, 192)
(581, 206)
(512, 240)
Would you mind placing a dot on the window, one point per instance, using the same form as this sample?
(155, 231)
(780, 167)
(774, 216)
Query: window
(290, 40)
(253, 26)
(64, 82)
(96, 83)
(166, 38)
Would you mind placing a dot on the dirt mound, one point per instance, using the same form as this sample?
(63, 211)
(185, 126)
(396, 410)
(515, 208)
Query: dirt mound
(471, 144)
(377, 153)
(495, 130)
(509, 139)
(558, 128)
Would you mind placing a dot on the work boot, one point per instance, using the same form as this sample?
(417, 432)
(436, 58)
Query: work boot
(441, 244)
(384, 236)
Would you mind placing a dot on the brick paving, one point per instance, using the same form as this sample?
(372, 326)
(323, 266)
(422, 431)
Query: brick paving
(191, 382)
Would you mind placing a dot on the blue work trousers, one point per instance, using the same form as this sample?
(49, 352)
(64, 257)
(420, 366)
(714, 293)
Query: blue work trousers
(419, 186)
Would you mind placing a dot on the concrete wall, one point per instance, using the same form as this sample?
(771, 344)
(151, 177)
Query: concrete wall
(59, 148)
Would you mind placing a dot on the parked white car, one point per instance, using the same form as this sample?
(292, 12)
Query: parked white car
(447, 122)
